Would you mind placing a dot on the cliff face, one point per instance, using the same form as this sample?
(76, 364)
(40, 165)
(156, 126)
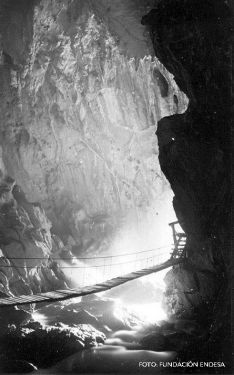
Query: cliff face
(80, 102)
(27, 246)
(192, 40)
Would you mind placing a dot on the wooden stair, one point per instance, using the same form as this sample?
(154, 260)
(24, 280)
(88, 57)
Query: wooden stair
(180, 239)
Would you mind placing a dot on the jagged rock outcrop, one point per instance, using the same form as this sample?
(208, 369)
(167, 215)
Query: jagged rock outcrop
(27, 246)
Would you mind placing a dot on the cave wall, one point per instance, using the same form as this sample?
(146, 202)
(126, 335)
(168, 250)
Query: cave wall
(80, 103)
(193, 41)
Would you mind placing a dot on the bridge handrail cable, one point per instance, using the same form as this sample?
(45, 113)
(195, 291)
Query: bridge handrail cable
(84, 267)
(87, 258)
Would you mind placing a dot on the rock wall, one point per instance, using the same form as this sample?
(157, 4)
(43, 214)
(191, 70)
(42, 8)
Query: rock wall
(27, 246)
(192, 40)
(81, 98)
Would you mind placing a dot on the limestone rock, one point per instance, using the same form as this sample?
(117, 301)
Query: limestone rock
(81, 107)
(26, 264)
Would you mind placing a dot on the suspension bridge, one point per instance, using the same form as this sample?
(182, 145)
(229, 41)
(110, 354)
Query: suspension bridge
(98, 274)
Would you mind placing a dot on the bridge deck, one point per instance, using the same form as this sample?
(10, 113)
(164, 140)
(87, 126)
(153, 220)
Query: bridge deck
(61, 295)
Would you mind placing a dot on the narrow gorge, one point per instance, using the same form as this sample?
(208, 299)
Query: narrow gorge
(114, 122)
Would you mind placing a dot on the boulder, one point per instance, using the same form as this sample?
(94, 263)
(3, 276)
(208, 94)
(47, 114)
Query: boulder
(44, 346)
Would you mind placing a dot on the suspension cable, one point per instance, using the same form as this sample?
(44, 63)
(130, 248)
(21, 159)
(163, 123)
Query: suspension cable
(76, 267)
(87, 258)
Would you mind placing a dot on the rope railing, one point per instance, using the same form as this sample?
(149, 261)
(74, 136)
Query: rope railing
(85, 274)
(81, 267)
(99, 269)
(97, 273)
(89, 258)
(137, 257)
(61, 295)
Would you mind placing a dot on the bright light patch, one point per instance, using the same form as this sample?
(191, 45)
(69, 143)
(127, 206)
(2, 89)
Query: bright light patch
(80, 273)
(147, 313)
(38, 317)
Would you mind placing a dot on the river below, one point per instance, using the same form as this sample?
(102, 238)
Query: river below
(111, 359)
(121, 351)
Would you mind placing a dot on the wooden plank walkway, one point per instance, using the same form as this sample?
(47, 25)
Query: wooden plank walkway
(61, 295)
